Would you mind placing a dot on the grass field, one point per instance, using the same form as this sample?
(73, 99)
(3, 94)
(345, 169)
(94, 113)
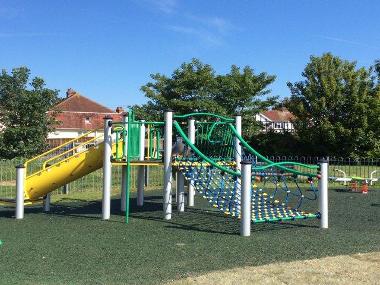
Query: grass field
(71, 245)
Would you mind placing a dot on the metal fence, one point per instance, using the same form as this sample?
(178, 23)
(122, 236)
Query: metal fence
(92, 182)
(342, 167)
(338, 167)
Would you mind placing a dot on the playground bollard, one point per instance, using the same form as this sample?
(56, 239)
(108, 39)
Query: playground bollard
(167, 195)
(46, 202)
(245, 207)
(20, 184)
(323, 194)
(141, 168)
(190, 187)
(124, 178)
(106, 202)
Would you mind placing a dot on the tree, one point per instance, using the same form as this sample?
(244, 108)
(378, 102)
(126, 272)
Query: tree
(23, 112)
(195, 87)
(335, 108)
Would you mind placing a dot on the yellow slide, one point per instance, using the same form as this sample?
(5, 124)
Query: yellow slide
(74, 160)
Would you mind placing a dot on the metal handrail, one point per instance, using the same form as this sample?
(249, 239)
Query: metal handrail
(57, 148)
(68, 151)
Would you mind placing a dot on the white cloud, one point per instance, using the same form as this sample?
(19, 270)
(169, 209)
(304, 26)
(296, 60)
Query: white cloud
(221, 25)
(341, 40)
(201, 34)
(166, 6)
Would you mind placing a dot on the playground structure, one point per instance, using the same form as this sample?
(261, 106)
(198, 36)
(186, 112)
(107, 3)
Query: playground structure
(206, 151)
(356, 183)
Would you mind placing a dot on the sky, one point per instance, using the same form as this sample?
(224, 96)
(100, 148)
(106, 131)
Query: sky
(106, 50)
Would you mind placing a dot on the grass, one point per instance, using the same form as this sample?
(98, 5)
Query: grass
(71, 245)
(362, 268)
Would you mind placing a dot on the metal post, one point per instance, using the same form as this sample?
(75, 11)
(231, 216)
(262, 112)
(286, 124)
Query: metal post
(141, 168)
(20, 182)
(168, 165)
(237, 142)
(180, 191)
(190, 187)
(245, 207)
(47, 202)
(146, 182)
(66, 187)
(124, 178)
(323, 194)
(106, 203)
(238, 152)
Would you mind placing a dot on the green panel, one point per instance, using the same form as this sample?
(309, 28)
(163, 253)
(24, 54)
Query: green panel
(134, 135)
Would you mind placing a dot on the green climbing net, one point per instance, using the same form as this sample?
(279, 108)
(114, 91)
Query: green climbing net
(279, 190)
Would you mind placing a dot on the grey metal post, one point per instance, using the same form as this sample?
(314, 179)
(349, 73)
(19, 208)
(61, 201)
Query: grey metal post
(245, 207)
(237, 142)
(124, 178)
(168, 165)
(238, 152)
(323, 194)
(180, 191)
(46, 202)
(146, 180)
(66, 187)
(190, 187)
(20, 184)
(106, 203)
(141, 168)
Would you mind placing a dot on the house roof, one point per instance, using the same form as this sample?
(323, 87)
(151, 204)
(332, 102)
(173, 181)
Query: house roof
(83, 121)
(76, 102)
(79, 112)
(279, 115)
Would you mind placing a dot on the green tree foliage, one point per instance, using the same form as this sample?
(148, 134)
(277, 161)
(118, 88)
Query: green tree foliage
(23, 112)
(278, 144)
(195, 87)
(337, 108)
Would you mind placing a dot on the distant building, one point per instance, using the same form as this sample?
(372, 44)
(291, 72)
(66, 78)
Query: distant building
(78, 115)
(277, 121)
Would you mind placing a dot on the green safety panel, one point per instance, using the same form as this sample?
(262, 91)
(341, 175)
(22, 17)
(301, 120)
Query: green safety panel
(134, 150)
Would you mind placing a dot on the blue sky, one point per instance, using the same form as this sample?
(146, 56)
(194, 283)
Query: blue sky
(107, 49)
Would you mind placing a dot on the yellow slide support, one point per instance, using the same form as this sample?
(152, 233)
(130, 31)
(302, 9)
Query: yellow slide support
(74, 160)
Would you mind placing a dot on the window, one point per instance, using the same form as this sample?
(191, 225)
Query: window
(87, 120)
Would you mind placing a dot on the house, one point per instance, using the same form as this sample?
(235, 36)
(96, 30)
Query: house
(276, 120)
(78, 115)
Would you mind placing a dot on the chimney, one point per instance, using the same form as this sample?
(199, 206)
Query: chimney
(119, 110)
(70, 92)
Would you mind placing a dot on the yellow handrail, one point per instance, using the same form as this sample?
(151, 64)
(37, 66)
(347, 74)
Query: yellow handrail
(67, 151)
(57, 147)
(50, 166)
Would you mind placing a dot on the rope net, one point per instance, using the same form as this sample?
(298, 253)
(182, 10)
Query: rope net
(280, 191)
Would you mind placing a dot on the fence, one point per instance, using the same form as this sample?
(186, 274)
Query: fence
(93, 182)
(340, 167)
